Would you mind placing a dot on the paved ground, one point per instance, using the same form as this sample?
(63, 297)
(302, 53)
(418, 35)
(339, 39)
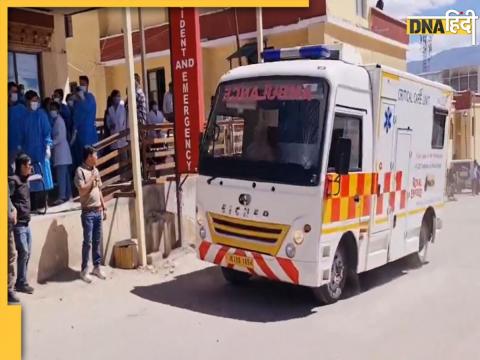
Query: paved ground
(188, 312)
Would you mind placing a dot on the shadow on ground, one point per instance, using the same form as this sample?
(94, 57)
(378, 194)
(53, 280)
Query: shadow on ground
(205, 291)
(67, 275)
(387, 273)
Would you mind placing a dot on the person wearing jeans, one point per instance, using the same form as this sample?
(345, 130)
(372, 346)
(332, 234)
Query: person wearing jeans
(88, 182)
(23, 243)
(92, 236)
(21, 230)
(12, 254)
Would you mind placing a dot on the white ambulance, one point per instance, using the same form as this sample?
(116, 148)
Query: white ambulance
(313, 169)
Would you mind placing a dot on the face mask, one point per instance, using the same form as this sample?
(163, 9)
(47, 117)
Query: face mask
(34, 105)
(81, 94)
(54, 114)
(14, 97)
(57, 100)
(83, 88)
(116, 100)
(155, 107)
(70, 103)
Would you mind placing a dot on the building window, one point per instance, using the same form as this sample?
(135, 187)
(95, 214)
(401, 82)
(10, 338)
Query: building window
(438, 132)
(473, 81)
(362, 8)
(68, 26)
(349, 127)
(23, 69)
(462, 79)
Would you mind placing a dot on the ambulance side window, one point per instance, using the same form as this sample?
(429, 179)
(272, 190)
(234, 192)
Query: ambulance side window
(438, 132)
(350, 127)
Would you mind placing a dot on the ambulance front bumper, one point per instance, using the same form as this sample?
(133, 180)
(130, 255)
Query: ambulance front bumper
(271, 267)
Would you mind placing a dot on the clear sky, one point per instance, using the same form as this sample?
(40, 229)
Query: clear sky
(404, 8)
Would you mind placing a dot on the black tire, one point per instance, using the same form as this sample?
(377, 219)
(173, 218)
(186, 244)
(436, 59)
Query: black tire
(332, 292)
(420, 258)
(235, 277)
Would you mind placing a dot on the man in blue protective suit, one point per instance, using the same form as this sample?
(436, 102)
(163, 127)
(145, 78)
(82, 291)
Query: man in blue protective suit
(84, 120)
(17, 113)
(36, 141)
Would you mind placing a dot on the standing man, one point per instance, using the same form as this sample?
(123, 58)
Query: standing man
(168, 103)
(12, 254)
(64, 109)
(62, 157)
(84, 119)
(88, 183)
(475, 178)
(36, 143)
(141, 102)
(17, 113)
(21, 230)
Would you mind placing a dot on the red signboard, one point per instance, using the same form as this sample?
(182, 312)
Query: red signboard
(186, 60)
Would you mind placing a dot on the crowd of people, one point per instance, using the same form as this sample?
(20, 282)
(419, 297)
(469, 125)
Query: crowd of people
(52, 133)
(54, 130)
(54, 138)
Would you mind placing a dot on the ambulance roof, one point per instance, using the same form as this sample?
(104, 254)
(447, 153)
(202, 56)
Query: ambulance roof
(335, 71)
(411, 77)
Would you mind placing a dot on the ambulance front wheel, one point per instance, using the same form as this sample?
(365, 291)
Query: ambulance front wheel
(235, 277)
(333, 291)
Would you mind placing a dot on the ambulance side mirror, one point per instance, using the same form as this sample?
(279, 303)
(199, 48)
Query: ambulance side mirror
(343, 149)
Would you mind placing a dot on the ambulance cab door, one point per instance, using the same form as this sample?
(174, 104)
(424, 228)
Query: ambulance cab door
(346, 201)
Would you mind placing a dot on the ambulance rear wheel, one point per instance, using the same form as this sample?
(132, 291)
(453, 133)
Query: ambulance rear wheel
(330, 293)
(235, 277)
(426, 235)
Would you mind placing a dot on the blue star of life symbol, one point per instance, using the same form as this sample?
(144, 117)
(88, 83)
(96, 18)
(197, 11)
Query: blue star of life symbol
(388, 119)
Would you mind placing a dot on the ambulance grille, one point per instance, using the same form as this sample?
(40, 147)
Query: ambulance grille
(245, 234)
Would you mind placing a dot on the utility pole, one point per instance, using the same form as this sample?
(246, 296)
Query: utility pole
(134, 143)
(143, 54)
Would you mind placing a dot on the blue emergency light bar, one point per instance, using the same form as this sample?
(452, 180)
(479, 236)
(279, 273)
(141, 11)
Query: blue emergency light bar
(299, 52)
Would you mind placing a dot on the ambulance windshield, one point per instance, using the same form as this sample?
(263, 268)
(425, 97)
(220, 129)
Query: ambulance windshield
(266, 129)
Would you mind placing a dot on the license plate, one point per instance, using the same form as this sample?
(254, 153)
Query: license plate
(240, 260)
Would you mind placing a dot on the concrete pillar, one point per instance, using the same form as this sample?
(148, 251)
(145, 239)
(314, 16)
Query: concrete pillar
(134, 137)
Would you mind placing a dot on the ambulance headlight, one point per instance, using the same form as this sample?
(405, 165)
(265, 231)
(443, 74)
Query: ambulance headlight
(202, 232)
(290, 250)
(298, 237)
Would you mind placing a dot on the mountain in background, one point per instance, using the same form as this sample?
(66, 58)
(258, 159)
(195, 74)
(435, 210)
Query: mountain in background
(449, 59)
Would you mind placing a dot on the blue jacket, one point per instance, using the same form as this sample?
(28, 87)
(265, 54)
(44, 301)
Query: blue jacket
(16, 119)
(84, 120)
